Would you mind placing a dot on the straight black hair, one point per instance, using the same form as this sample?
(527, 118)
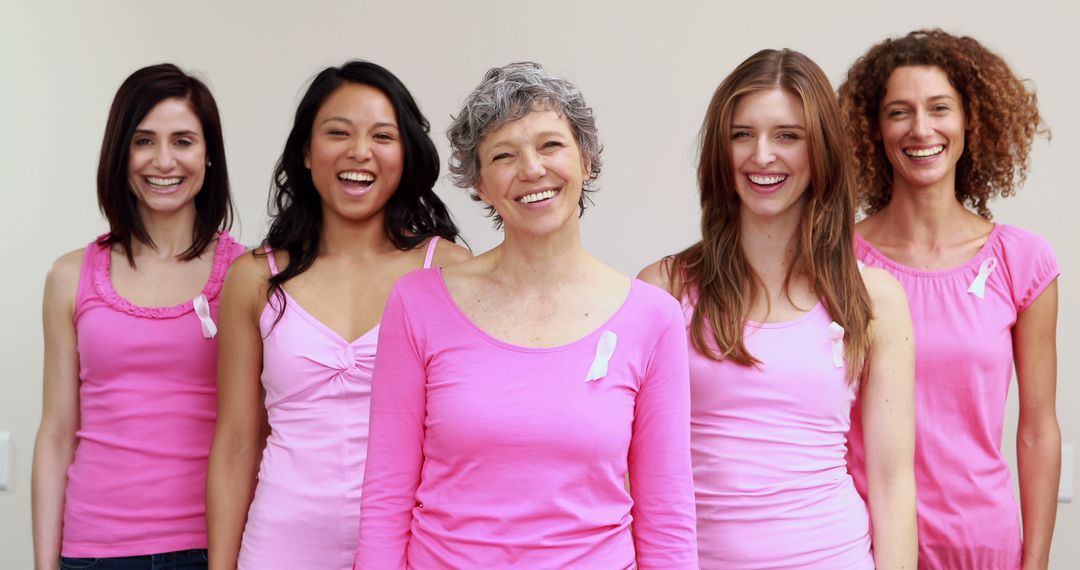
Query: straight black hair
(413, 213)
(137, 96)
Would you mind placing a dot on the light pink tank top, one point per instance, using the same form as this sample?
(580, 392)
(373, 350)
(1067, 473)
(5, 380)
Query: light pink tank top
(147, 385)
(306, 509)
(768, 447)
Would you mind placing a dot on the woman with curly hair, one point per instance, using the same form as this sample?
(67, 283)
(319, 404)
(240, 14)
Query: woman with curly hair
(942, 125)
(784, 331)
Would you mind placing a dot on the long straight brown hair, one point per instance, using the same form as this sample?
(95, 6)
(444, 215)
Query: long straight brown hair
(715, 270)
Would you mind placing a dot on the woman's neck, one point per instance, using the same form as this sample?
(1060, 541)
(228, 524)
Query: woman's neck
(541, 262)
(171, 233)
(357, 240)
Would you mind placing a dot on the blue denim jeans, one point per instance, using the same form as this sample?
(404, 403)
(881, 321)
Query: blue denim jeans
(179, 560)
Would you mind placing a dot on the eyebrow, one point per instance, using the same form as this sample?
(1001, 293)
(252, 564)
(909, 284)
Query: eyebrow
(380, 124)
(934, 98)
(175, 134)
(792, 127)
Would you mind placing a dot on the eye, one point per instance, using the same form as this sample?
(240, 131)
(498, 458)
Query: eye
(183, 142)
(141, 141)
(942, 108)
(742, 134)
(501, 156)
(384, 137)
(896, 113)
(788, 136)
(337, 133)
(552, 144)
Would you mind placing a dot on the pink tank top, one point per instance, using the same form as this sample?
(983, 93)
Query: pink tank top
(768, 448)
(306, 509)
(146, 402)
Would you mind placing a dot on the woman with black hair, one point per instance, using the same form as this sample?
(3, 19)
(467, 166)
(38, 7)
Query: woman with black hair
(128, 413)
(354, 211)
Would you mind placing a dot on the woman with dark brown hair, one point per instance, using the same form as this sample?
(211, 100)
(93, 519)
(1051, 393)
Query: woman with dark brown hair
(941, 125)
(784, 332)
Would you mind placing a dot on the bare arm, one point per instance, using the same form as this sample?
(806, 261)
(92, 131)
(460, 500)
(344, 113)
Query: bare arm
(239, 435)
(54, 448)
(888, 411)
(1038, 437)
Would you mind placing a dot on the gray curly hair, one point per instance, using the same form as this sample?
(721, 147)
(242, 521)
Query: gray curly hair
(507, 94)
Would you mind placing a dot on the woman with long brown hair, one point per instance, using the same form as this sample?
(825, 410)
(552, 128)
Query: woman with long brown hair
(784, 332)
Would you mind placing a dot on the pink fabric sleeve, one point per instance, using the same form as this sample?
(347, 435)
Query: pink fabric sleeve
(395, 444)
(1032, 268)
(661, 477)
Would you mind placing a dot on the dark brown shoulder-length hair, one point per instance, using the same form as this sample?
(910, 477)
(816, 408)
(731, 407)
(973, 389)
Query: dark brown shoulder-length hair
(715, 271)
(137, 96)
(1002, 116)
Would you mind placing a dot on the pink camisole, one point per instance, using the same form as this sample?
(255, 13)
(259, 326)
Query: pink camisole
(768, 445)
(306, 509)
(147, 386)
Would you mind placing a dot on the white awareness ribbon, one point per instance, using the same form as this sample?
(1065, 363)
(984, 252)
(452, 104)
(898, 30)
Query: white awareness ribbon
(202, 310)
(604, 349)
(978, 286)
(836, 335)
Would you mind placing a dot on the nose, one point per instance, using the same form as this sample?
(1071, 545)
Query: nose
(920, 127)
(531, 166)
(163, 158)
(360, 150)
(763, 152)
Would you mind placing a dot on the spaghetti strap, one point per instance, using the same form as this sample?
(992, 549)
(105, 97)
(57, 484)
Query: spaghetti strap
(430, 251)
(270, 260)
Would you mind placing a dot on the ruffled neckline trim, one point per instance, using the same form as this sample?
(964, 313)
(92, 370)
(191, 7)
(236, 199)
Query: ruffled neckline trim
(102, 265)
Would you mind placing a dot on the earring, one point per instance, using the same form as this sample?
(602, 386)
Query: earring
(208, 164)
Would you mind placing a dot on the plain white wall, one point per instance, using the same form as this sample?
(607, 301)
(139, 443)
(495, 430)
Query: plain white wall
(647, 71)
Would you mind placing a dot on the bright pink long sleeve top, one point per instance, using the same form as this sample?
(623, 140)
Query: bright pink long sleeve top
(483, 454)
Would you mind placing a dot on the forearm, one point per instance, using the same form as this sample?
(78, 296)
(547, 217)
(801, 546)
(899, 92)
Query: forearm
(52, 456)
(895, 531)
(1038, 454)
(230, 486)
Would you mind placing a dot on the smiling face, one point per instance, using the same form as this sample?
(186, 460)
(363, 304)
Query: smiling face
(167, 158)
(922, 127)
(355, 155)
(769, 153)
(532, 173)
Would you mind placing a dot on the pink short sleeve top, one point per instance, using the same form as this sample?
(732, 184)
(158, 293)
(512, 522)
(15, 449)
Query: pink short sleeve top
(963, 318)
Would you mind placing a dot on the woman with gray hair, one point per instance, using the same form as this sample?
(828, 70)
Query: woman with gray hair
(515, 392)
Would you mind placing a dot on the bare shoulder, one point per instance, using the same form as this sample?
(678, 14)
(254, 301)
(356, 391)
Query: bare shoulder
(886, 293)
(449, 253)
(659, 274)
(62, 281)
(249, 272)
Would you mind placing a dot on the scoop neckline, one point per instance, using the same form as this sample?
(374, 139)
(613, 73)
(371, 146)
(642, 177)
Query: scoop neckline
(817, 308)
(975, 260)
(104, 285)
(530, 349)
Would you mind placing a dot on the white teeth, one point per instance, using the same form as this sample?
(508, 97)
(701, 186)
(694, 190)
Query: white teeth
(154, 181)
(767, 180)
(356, 177)
(924, 152)
(530, 198)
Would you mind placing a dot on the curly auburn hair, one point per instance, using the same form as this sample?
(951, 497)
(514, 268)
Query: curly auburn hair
(1002, 116)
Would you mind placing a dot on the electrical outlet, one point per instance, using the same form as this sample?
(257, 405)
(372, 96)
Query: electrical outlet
(1065, 488)
(5, 460)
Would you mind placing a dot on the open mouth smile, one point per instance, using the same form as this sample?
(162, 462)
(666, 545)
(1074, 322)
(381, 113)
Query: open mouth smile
(537, 197)
(925, 152)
